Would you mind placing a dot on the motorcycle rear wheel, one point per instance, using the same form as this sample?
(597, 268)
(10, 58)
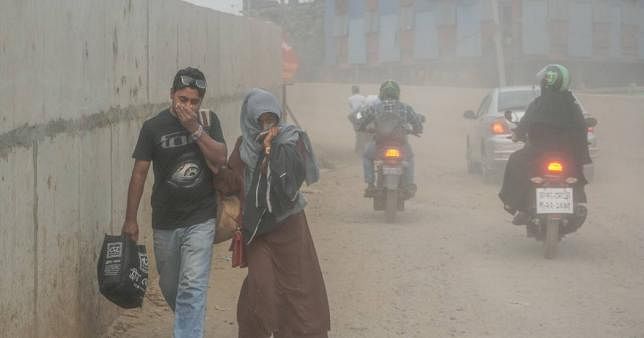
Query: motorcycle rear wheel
(551, 240)
(391, 205)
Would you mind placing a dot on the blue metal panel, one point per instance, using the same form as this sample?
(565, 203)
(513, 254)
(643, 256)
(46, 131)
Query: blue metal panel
(426, 5)
(329, 26)
(387, 7)
(535, 37)
(357, 41)
(389, 42)
(356, 8)
(426, 37)
(580, 31)
(616, 32)
(329, 15)
(468, 20)
(641, 22)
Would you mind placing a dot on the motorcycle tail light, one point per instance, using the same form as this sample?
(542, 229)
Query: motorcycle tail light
(555, 167)
(591, 129)
(499, 128)
(392, 153)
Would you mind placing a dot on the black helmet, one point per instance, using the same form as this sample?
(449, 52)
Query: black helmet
(389, 90)
(554, 77)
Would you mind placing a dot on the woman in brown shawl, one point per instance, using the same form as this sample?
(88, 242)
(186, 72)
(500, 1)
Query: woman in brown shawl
(284, 293)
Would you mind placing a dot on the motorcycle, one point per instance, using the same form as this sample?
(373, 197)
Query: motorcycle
(390, 163)
(555, 210)
(390, 194)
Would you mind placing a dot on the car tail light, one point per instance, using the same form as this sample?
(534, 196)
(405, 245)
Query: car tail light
(392, 153)
(499, 128)
(555, 167)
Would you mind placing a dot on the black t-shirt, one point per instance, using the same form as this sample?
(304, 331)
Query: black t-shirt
(183, 194)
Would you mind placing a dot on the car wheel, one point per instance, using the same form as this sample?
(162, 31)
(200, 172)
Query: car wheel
(471, 166)
(589, 173)
(489, 175)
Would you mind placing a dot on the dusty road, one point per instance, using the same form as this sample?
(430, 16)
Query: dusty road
(454, 266)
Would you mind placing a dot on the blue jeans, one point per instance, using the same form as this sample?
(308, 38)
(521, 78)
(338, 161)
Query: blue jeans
(369, 156)
(183, 259)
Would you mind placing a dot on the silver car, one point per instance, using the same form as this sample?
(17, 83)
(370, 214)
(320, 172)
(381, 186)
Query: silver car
(488, 141)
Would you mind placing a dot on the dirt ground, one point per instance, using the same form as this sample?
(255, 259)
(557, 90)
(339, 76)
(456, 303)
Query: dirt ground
(454, 265)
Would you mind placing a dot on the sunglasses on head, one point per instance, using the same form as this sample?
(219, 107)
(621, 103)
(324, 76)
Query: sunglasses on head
(189, 81)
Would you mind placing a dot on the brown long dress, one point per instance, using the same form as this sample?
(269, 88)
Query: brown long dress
(284, 293)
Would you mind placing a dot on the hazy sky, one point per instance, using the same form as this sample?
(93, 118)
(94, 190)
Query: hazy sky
(229, 6)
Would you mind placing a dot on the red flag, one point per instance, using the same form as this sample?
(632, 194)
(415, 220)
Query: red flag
(290, 62)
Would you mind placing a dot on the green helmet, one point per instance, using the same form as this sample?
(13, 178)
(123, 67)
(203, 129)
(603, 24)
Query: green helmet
(389, 90)
(554, 77)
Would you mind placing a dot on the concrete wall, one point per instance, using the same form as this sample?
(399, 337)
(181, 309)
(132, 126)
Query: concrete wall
(77, 79)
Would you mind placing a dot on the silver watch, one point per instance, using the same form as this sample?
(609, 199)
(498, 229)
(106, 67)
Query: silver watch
(197, 134)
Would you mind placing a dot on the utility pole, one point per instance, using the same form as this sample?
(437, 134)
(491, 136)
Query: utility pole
(498, 43)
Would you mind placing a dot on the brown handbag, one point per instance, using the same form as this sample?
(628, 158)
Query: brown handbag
(229, 226)
(228, 223)
(229, 187)
(227, 205)
(228, 217)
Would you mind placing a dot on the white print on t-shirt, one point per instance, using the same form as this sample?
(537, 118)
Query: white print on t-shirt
(182, 138)
(174, 140)
(186, 175)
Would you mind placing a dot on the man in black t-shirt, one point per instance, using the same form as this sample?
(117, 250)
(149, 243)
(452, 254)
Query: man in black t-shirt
(185, 151)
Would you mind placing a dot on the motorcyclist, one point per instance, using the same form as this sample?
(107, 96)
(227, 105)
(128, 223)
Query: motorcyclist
(357, 102)
(553, 122)
(392, 120)
(371, 100)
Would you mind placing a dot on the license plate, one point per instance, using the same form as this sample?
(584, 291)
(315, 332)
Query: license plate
(391, 170)
(554, 201)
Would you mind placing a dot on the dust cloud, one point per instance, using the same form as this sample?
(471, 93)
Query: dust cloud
(453, 265)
